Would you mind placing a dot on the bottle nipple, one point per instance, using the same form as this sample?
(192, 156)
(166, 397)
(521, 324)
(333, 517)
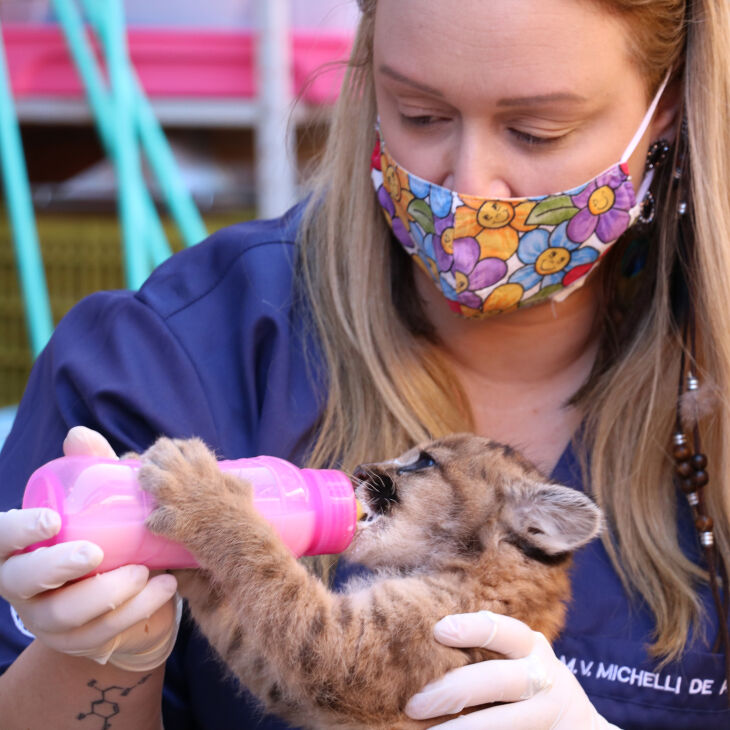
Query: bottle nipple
(360, 511)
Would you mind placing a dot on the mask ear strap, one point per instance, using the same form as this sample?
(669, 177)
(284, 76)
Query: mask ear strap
(646, 120)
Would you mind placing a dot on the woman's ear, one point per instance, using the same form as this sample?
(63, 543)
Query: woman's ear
(665, 123)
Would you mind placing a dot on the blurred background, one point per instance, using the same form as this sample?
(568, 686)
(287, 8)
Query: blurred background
(241, 89)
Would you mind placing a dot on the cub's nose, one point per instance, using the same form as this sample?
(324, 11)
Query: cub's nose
(380, 490)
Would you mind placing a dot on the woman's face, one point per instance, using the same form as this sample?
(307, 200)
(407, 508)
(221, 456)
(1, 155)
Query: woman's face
(509, 98)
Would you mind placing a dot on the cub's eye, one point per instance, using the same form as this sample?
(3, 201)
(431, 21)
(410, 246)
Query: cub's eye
(424, 461)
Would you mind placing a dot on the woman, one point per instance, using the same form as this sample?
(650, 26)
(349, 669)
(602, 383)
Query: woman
(506, 102)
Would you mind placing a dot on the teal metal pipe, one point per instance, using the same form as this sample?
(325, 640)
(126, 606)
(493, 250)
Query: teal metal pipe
(29, 261)
(102, 109)
(157, 149)
(126, 152)
(178, 198)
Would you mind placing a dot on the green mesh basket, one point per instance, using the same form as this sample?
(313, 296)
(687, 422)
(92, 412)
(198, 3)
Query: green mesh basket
(81, 255)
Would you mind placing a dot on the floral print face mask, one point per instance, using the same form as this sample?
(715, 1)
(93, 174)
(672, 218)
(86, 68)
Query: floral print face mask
(493, 255)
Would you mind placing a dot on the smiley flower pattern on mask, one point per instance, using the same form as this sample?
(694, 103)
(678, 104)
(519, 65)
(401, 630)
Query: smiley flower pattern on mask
(603, 206)
(494, 224)
(490, 256)
(470, 272)
(550, 258)
(395, 186)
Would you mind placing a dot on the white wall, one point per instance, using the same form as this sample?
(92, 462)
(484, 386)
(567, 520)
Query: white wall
(310, 14)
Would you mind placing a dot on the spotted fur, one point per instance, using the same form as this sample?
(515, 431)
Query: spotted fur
(455, 525)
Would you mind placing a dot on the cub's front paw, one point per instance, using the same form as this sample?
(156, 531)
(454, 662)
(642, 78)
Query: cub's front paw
(178, 474)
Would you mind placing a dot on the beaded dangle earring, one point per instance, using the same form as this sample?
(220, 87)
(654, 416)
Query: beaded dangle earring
(690, 462)
(690, 468)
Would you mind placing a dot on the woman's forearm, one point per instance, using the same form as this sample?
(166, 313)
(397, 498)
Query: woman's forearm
(46, 689)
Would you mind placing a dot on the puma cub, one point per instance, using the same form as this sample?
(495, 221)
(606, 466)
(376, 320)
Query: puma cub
(456, 525)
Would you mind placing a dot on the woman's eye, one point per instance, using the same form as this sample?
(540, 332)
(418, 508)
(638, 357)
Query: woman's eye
(532, 139)
(424, 461)
(421, 120)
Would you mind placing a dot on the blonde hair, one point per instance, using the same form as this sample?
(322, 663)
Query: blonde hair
(388, 387)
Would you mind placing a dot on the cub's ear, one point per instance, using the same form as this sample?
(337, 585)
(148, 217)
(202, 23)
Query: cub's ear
(550, 520)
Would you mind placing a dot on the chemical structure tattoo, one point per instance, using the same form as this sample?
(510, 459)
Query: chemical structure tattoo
(105, 708)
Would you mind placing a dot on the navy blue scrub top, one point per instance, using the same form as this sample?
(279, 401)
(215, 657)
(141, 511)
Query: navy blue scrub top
(212, 346)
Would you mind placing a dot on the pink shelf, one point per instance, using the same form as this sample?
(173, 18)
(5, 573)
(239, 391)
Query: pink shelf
(176, 63)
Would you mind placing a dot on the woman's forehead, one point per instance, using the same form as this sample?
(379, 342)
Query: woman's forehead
(495, 47)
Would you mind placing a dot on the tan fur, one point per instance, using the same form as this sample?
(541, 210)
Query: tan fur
(459, 533)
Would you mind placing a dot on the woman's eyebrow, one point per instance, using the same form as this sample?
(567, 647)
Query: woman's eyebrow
(397, 76)
(564, 97)
(559, 96)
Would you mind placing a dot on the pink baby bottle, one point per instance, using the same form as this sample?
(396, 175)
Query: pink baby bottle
(313, 510)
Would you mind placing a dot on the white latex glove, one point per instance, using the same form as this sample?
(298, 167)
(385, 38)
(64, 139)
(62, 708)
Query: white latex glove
(122, 616)
(541, 692)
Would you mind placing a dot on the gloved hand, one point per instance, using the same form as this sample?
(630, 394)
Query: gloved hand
(123, 617)
(541, 692)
